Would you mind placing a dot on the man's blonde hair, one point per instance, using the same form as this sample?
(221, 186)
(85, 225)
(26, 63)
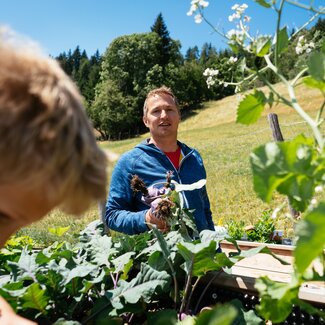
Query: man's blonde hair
(45, 136)
(157, 92)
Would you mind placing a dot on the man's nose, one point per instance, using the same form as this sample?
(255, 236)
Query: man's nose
(163, 113)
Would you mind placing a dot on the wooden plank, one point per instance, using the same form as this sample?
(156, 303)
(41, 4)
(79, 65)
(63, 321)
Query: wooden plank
(246, 271)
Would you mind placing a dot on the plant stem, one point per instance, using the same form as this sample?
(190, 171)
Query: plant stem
(191, 294)
(294, 81)
(204, 291)
(294, 104)
(276, 52)
(308, 8)
(319, 114)
(304, 25)
(187, 290)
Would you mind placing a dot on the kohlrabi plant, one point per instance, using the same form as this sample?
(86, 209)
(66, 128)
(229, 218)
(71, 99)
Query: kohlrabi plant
(294, 168)
(151, 278)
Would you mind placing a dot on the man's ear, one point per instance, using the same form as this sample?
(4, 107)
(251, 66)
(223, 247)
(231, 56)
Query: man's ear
(145, 121)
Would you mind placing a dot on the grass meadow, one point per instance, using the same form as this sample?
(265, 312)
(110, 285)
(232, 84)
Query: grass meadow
(225, 147)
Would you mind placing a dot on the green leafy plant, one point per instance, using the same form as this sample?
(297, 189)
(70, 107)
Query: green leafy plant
(263, 229)
(235, 229)
(125, 279)
(293, 168)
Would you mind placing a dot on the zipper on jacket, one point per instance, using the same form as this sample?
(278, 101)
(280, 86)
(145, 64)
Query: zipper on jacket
(178, 176)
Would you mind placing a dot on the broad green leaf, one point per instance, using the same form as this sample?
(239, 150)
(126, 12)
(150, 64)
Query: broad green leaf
(251, 108)
(287, 167)
(80, 271)
(219, 315)
(35, 297)
(263, 3)
(157, 261)
(283, 40)
(311, 242)
(202, 257)
(25, 268)
(58, 231)
(88, 284)
(122, 261)
(277, 299)
(15, 289)
(162, 317)
(162, 243)
(263, 46)
(245, 317)
(313, 83)
(188, 218)
(100, 248)
(300, 189)
(142, 287)
(257, 250)
(316, 66)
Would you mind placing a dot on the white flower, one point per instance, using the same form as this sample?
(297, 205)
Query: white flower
(313, 202)
(232, 60)
(198, 18)
(195, 5)
(234, 7)
(303, 46)
(319, 189)
(210, 72)
(203, 3)
(192, 10)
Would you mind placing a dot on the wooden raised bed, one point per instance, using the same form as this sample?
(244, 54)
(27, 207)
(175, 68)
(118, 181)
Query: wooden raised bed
(245, 272)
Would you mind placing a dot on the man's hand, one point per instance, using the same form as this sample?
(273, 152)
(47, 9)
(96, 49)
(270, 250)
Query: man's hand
(159, 223)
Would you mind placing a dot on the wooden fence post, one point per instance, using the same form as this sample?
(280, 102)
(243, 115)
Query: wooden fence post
(277, 136)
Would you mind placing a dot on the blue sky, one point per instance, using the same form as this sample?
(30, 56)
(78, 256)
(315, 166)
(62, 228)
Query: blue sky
(60, 25)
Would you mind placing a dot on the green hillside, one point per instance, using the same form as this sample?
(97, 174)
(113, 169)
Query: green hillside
(225, 147)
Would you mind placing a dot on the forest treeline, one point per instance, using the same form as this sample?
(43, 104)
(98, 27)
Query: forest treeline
(114, 84)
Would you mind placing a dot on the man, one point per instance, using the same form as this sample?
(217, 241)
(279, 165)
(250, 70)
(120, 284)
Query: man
(49, 155)
(150, 161)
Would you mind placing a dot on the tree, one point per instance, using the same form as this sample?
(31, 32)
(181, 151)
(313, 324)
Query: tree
(192, 54)
(165, 44)
(112, 112)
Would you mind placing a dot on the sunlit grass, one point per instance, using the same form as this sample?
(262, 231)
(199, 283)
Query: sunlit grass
(225, 147)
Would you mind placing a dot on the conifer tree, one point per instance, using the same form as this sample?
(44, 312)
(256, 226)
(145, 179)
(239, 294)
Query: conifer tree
(165, 46)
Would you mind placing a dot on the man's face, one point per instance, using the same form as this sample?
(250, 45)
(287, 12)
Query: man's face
(162, 117)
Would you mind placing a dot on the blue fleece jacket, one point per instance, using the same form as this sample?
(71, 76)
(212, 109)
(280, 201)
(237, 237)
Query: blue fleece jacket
(124, 210)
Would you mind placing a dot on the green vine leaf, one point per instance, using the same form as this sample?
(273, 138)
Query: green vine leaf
(287, 167)
(313, 83)
(263, 3)
(277, 298)
(311, 242)
(251, 108)
(316, 66)
(283, 41)
(263, 46)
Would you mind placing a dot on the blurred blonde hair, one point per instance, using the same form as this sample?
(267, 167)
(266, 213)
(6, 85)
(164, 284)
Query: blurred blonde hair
(163, 90)
(45, 135)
